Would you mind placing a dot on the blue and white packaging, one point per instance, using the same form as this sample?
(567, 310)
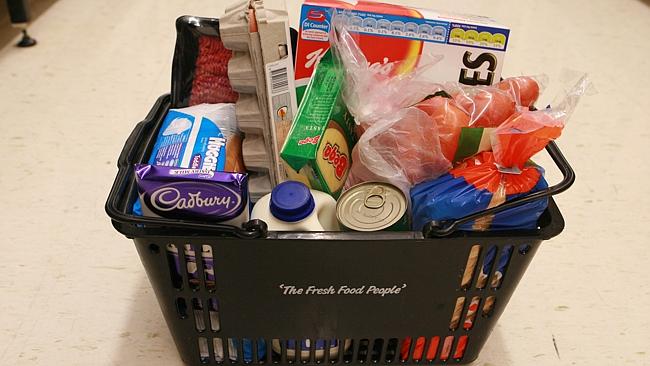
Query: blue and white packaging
(204, 137)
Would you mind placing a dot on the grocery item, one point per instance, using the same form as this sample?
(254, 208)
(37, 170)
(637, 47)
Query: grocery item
(373, 206)
(523, 135)
(449, 119)
(200, 137)
(473, 140)
(261, 70)
(402, 149)
(292, 206)
(487, 106)
(200, 194)
(321, 137)
(523, 89)
(475, 185)
(398, 142)
(203, 137)
(473, 46)
(489, 179)
(200, 64)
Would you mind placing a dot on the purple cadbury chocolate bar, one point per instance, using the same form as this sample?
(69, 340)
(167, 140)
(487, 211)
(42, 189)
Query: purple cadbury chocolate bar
(180, 193)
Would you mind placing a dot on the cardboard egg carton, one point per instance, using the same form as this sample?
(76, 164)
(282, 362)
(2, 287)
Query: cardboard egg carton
(261, 71)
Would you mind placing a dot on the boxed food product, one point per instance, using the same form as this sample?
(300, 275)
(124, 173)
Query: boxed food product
(473, 46)
(320, 140)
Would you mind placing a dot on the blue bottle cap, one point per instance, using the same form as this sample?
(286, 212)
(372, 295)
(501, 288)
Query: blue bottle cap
(291, 201)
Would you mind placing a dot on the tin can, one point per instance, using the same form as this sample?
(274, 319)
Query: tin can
(373, 206)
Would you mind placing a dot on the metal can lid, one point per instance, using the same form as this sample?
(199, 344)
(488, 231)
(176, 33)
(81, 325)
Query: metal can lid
(371, 206)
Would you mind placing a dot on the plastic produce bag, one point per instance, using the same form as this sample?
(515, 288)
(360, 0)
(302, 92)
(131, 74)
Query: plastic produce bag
(448, 117)
(407, 133)
(490, 106)
(489, 179)
(524, 90)
(402, 150)
(487, 106)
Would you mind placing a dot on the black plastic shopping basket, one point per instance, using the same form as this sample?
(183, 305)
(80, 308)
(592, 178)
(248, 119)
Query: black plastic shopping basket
(245, 295)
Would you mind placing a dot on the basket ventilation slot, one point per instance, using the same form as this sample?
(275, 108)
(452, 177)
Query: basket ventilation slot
(198, 270)
(319, 351)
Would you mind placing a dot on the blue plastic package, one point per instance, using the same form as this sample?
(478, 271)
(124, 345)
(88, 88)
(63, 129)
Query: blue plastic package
(474, 186)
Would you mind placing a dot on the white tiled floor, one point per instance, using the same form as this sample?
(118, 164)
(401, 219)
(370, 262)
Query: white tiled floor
(73, 292)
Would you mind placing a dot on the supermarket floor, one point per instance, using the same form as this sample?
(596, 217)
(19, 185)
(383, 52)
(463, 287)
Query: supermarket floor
(73, 292)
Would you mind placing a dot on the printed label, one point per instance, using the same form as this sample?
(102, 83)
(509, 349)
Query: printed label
(207, 198)
(333, 158)
(282, 102)
(311, 290)
(316, 26)
(309, 140)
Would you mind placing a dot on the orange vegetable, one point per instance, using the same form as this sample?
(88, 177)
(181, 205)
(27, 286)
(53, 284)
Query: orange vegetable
(524, 89)
(488, 107)
(449, 118)
(410, 144)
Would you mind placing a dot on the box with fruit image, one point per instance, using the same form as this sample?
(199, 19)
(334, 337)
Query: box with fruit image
(322, 135)
(473, 47)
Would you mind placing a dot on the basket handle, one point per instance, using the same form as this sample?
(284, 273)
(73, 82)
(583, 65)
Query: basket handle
(444, 228)
(132, 143)
(125, 155)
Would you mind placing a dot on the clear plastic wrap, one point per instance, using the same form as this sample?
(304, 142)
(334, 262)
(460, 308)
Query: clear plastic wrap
(487, 106)
(524, 90)
(200, 64)
(490, 178)
(406, 132)
(402, 150)
(372, 92)
(527, 132)
(449, 119)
